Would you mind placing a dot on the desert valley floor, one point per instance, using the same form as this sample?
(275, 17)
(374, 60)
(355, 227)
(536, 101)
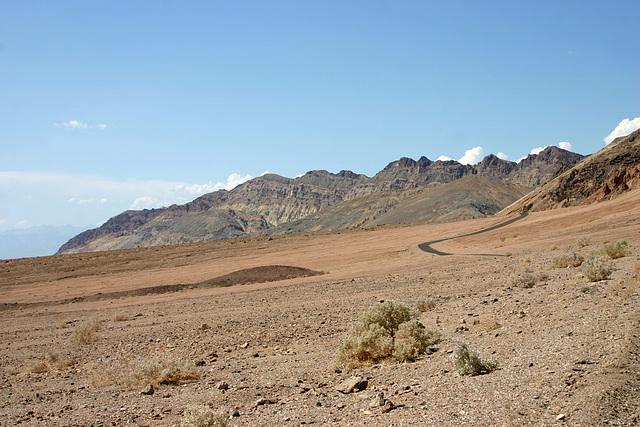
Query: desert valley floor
(568, 350)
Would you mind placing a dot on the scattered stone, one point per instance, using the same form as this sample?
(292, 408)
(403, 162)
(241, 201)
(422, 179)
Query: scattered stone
(264, 401)
(560, 417)
(388, 407)
(148, 390)
(200, 363)
(245, 345)
(235, 413)
(353, 384)
(222, 385)
(204, 327)
(377, 401)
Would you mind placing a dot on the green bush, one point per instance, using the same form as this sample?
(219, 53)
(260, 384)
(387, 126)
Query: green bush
(468, 362)
(618, 250)
(386, 330)
(424, 304)
(584, 241)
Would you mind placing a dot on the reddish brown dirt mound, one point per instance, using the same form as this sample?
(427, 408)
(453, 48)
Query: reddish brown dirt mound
(263, 274)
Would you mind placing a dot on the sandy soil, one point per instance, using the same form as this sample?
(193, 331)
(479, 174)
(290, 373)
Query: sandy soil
(566, 355)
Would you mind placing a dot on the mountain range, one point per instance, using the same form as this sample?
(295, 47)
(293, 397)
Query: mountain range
(405, 191)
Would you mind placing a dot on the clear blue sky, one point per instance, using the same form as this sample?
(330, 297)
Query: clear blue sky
(111, 105)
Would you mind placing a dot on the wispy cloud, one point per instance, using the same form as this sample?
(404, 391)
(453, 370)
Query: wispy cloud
(624, 128)
(75, 124)
(60, 198)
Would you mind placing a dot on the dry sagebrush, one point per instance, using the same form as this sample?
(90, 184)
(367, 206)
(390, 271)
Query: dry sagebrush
(468, 362)
(160, 369)
(389, 330)
(202, 416)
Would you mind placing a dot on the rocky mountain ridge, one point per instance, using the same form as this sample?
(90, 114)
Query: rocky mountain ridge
(268, 203)
(611, 171)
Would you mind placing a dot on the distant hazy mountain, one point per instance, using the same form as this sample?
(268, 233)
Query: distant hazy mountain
(35, 241)
(320, 200)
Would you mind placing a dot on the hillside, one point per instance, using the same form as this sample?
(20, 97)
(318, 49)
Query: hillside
(610, 172)
(272, 204)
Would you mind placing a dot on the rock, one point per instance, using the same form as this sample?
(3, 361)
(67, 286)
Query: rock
(204, 327)
(148, 390)
(560, 417)
(245, 345)
(377, 401)
(264, 401)
(222, 385)
(388, 406)
(235, 413)
(200, 363)
(353, 384)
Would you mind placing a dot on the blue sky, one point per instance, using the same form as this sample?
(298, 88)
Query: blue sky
(112, 105)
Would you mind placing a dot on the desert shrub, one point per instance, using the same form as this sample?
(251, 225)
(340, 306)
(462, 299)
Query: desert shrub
(412, 339)
(566, 261)
(468, 362)
(86, 333)
(508, 254)
(617, 250)
(202, 416)
(53, 362)
(584, 241)
(553, 247)
(585, 288)
(597, 268)
(386, 330)
(121, 317)
(423, 304)
(163, 369)
(524, 280)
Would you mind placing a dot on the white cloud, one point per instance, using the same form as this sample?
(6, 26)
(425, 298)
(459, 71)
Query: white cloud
(444, 158)
(60, 199)
(472, 156)
(565, 145)
(75, 124)
(624, 128)
(538, 150)
(502, 156)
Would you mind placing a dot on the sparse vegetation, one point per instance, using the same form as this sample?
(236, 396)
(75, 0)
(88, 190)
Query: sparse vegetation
(524, 280)
(86, 333)
(585, 288)
(54, 362)
(617, 250)
(202, 416)
(566, 261)
(508, 254)
(423, 304)
(468, 362)
(553, 247)
(121, 317)
(386, 330)
(584, 241)
(163, 369)
(597, 268)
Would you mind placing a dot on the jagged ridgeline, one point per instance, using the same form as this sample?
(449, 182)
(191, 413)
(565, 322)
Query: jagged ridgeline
(404, 191)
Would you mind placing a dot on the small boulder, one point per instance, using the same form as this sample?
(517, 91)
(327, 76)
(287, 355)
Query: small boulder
(148, 390)
(353, 384)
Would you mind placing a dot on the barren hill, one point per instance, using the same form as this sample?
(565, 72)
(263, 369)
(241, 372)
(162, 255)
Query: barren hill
(320, 200)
